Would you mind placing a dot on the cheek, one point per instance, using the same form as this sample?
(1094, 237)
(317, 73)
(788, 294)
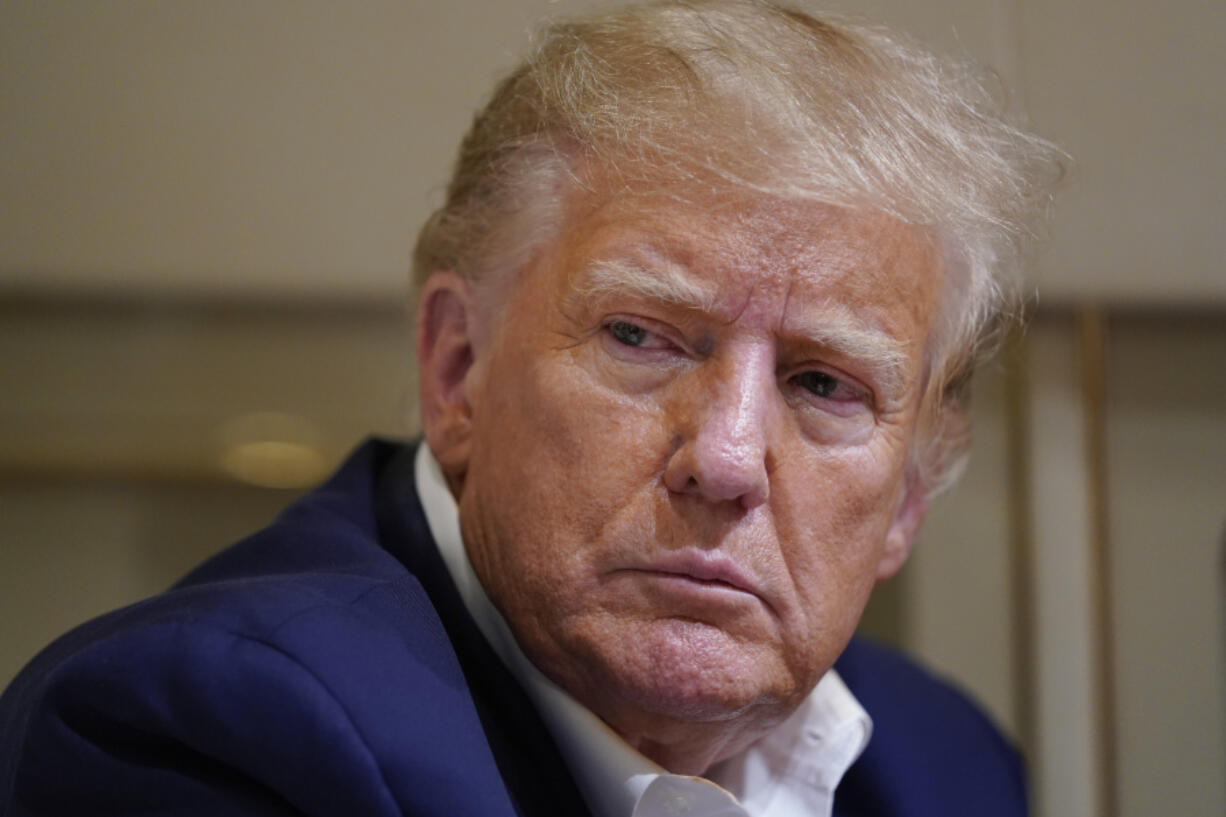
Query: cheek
(592, 439)
(557, 457)
(832, 526)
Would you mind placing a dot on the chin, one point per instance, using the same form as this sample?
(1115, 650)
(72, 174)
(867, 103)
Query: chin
(691, 671)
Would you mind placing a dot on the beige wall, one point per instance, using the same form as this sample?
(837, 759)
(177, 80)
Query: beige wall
(74, 547)
(1133, 90)
(1168, 525)
(166, 146)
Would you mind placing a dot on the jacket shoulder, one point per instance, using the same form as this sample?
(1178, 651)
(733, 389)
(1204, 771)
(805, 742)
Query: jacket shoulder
(276, 696)
(933, 751)
(303, 670)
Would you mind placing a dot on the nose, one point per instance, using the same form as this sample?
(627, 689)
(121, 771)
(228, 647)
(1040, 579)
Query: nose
(725, 426)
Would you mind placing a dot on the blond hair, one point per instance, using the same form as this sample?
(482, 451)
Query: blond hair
(771, 100)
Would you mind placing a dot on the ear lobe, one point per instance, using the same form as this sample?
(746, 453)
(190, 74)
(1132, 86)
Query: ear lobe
(904, 528)
(446, 322)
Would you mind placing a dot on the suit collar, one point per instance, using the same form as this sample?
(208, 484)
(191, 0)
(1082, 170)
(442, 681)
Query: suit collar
(528, 759)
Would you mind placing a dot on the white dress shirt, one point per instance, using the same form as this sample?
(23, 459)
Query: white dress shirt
(791, 772)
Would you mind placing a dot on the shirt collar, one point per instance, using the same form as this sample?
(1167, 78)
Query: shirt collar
(793, 769)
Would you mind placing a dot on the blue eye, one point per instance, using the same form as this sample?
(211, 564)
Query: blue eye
(627, 333)
(819, 383)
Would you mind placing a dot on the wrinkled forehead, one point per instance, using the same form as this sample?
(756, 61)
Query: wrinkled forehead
(723, 242)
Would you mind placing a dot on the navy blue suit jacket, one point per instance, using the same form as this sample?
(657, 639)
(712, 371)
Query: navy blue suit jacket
(327, 666)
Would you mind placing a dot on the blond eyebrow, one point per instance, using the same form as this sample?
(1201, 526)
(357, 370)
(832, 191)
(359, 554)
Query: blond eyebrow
(664, 282)
(841, 331)
(838, 328)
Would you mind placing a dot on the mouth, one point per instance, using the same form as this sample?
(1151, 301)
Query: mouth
(700, 571)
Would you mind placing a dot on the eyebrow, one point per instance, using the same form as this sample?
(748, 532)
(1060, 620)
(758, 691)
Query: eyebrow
(665, 282)
(838, 328)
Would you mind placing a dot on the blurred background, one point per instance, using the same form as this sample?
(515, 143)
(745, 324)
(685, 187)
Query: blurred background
(206, 215)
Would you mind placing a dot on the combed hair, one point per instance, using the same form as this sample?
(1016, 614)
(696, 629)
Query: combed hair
(757, 96)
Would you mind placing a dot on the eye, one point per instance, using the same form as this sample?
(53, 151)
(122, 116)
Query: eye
(826, 386)
(633, 334)
(628, 333)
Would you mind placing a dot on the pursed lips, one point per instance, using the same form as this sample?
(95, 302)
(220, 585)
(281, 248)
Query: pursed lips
(703, 567)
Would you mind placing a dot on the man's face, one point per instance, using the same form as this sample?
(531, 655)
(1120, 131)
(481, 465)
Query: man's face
(689, 427)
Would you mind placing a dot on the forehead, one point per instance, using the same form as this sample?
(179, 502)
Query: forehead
(734, 248)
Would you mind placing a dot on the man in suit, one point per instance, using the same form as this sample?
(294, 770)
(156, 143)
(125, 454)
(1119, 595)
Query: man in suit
(695, 328)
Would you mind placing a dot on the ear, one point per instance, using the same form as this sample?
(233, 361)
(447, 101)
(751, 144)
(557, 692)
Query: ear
(446, 326)
(904, 528)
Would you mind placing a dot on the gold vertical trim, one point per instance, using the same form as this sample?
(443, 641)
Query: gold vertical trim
(1092, 331)
(1021, 539)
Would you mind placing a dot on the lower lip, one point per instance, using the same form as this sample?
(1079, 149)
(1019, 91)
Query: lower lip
(706, 590)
